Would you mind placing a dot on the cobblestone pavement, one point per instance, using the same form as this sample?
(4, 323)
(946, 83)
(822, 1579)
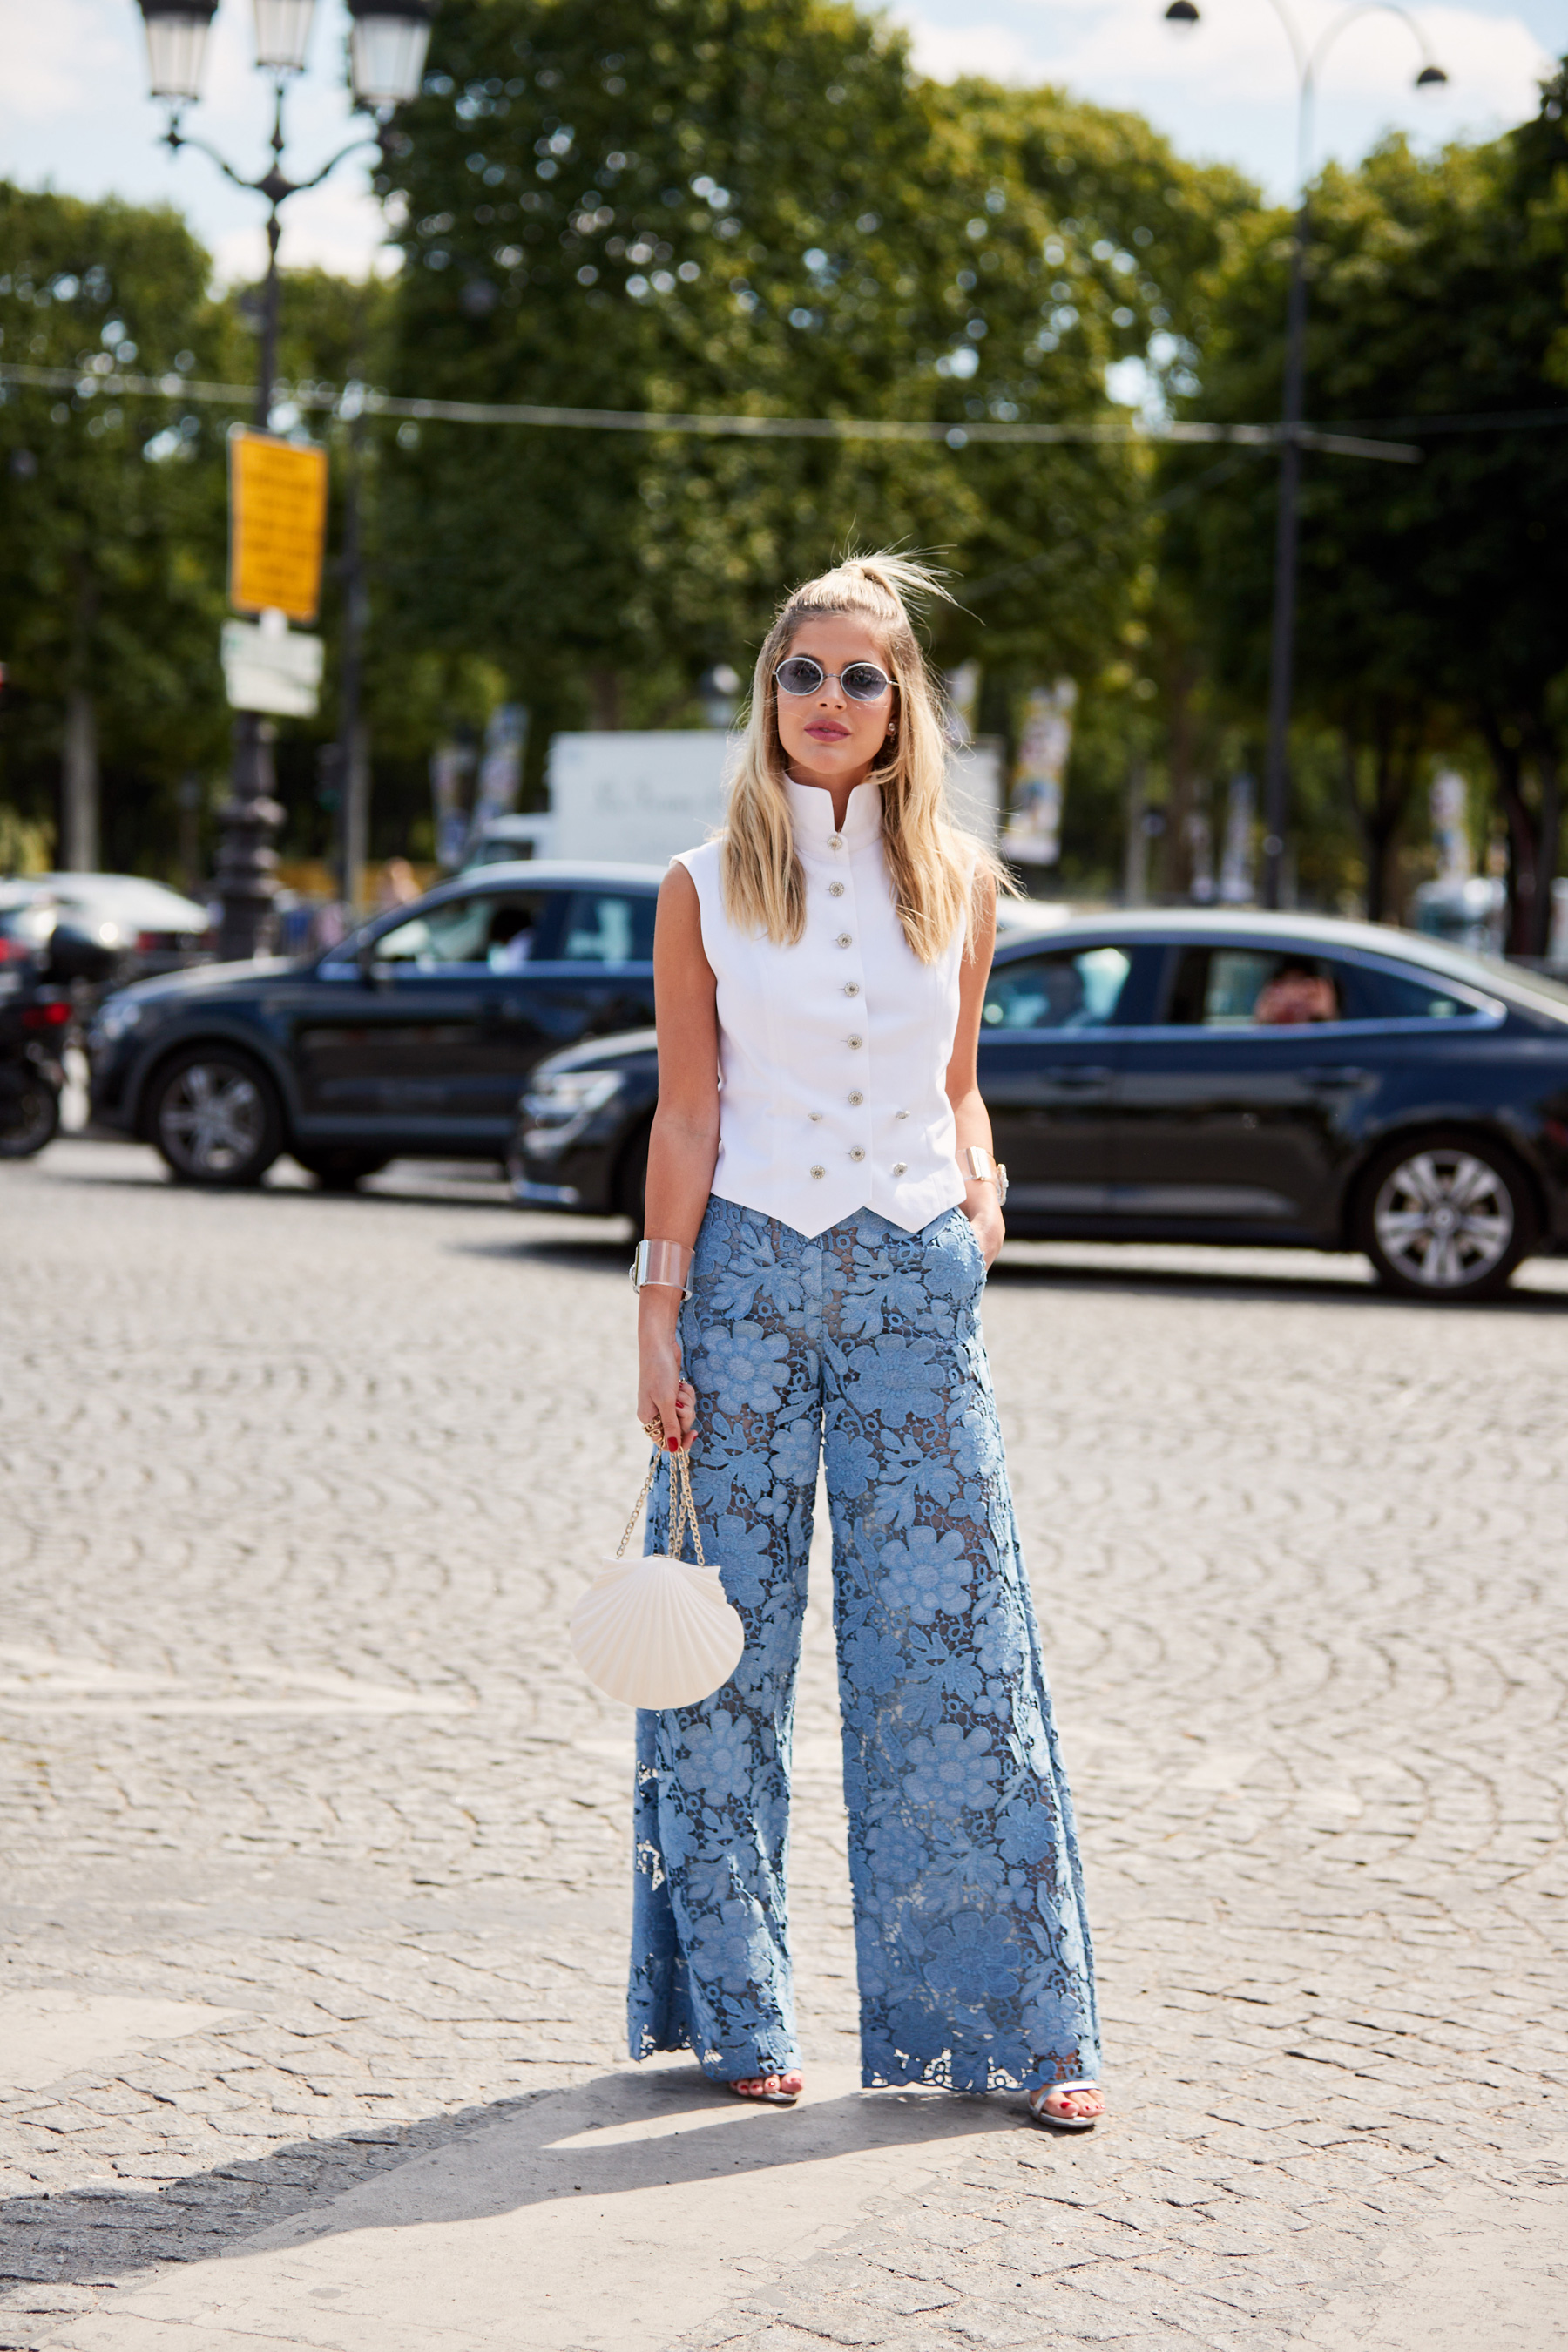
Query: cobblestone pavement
(316, 1842)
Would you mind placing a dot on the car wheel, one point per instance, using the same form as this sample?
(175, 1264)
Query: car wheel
(1446, 1216)
(341, 1172)
(215, 1119)
(29, 1114)
(631, 1185)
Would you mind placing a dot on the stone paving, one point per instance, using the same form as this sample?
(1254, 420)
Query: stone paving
(316, 1841)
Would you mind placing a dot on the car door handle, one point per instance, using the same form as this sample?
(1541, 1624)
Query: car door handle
(1334, 1074)
(1075, 1074)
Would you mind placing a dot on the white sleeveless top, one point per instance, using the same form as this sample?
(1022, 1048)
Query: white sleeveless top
(833, 1053)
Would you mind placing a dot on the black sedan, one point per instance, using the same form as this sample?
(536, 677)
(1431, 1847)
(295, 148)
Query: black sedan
(1237, 1077)
(411, 1038)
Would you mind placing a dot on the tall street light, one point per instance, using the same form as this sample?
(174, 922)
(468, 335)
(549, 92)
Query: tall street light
(387, 42)
(1309, 62)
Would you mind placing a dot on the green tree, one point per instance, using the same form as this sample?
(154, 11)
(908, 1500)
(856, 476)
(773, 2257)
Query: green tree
(111, 517)
(1430, 595)
(718, 204)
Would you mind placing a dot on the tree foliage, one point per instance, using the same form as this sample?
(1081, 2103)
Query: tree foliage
(1430, 595)
(723, 205)
(111, 510)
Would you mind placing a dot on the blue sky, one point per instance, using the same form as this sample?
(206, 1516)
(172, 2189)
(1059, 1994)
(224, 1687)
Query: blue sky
(73, 113)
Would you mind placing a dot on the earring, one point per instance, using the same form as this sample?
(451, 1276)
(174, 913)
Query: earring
(892, 731)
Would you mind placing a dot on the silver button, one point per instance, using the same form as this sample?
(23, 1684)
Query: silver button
(815, 1116)
(845, 939)
(836, 841)
(835, 889)
(900, 1113)
(856, 1099)
(851, 988)
(819, 1172)
(857, 1153)
(854, 1044)
(900, 1167)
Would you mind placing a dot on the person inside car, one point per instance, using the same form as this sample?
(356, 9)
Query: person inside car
(511, 939)
(1297, 992)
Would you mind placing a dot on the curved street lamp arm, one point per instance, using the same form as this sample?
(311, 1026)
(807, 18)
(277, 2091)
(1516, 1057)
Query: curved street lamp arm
(1369, 8)
(368, 138)
(272, 184)
(177, 138)
(1293, 35)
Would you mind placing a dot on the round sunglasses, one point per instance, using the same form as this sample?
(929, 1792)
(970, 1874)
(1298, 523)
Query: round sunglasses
(862, 681)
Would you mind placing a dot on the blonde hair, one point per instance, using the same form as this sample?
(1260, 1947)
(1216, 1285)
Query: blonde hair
(930, 862)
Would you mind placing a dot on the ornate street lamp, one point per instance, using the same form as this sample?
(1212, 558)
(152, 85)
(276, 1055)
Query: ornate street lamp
(1183, 15)
(176, 45)
(386, 52)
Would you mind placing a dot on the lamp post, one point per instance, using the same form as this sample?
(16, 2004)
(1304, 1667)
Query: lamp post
(387, 42)
(1308, 61)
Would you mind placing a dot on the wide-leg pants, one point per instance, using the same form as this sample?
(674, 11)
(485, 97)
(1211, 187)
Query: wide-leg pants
(972, 1941)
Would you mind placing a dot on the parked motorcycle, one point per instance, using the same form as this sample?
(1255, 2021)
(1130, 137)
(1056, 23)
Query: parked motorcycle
(43, 960)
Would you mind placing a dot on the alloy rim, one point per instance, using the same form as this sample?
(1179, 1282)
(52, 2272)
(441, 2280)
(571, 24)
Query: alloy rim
(211, 1120)
(1444, 1218)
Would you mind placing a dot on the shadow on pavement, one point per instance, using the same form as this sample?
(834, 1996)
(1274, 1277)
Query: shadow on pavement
(617, 2135)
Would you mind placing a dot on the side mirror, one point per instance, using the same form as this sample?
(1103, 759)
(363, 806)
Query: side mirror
(365, 956)
(86, 951)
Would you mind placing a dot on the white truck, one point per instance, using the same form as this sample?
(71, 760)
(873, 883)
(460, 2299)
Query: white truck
(642, 797)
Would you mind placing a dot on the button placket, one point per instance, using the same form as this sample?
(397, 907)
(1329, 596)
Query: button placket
(848, 985)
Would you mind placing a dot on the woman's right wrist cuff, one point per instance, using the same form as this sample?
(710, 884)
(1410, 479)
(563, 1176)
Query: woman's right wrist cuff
(667, 1265)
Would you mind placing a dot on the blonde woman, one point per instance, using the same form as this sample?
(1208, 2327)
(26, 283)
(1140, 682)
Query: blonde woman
(820, 1226)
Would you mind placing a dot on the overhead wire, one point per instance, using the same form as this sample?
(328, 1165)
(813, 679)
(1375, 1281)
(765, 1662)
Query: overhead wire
(359, 400)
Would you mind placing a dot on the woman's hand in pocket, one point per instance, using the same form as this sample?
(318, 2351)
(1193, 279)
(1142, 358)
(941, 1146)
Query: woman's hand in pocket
(984, 1213)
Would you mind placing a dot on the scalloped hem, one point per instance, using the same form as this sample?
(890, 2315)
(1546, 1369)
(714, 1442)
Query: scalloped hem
(937, 2073)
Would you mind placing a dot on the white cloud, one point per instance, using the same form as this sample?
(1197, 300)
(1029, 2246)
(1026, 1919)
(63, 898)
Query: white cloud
(1228, 88)
(74, 113)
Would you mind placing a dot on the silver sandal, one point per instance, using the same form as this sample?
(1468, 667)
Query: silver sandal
(1060, 2123)
(764, 2098)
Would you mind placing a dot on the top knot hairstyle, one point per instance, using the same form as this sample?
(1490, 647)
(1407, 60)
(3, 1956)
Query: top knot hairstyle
(937, 872)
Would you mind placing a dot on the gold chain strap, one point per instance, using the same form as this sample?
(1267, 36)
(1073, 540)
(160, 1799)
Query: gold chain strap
(682, 1509)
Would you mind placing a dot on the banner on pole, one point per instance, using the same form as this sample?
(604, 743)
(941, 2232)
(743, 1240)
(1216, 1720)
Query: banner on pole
(501, 764)
(1034, 834)
(276, 524)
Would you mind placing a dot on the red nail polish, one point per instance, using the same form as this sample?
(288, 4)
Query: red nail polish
(673, 1443)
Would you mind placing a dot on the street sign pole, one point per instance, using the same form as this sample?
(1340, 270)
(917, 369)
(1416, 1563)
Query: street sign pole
(247, 875)
(277, 509)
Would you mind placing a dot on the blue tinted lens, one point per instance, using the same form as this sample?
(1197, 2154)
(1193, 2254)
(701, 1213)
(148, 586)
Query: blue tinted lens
(800, 674)
(863, 681)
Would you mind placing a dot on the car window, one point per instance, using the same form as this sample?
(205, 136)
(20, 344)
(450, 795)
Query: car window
(1263, 988)
(1256, 988)
(607, 926)
(493, 931)
(1403, 996)
(1067, 989)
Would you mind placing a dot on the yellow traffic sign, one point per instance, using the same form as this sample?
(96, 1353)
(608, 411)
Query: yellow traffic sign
(276, 524)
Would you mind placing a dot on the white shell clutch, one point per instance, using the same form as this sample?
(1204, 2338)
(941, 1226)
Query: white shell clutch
(658, 1631)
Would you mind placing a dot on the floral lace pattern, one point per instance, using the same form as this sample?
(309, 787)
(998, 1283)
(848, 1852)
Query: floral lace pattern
(972, 1940)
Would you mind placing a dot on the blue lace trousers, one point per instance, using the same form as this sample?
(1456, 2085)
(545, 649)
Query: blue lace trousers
(972, 1941)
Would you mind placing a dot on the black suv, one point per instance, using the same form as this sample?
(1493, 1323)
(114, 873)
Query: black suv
(413, 1038)
(1229, 1077)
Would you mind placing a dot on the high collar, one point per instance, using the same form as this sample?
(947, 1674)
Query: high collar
(812, 810)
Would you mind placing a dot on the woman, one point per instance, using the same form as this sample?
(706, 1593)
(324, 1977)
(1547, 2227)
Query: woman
(829, 1214)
